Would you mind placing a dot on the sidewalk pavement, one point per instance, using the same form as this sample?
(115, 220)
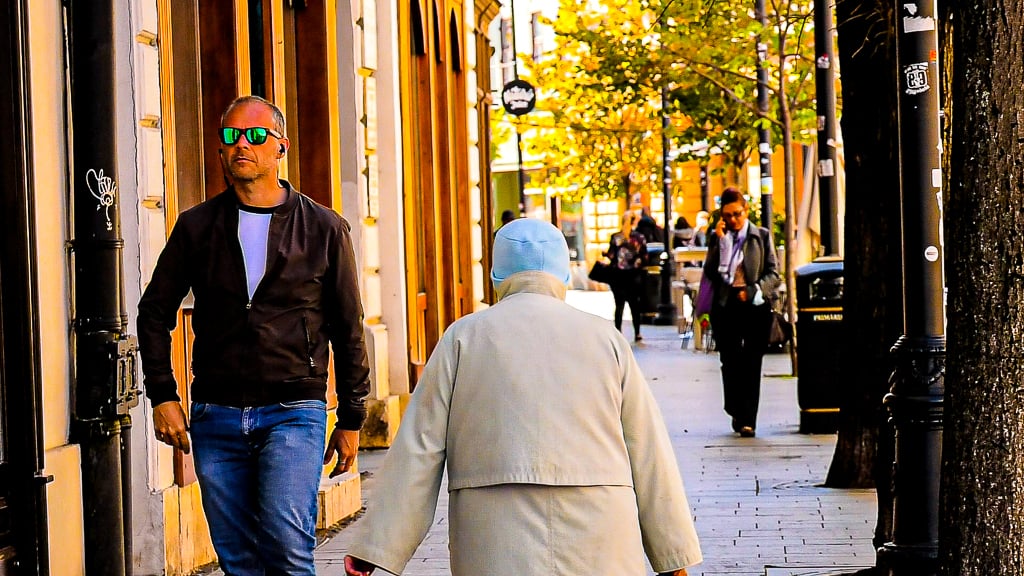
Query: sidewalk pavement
(757, 502)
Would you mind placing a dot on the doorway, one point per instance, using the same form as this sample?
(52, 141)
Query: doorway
(22, 505)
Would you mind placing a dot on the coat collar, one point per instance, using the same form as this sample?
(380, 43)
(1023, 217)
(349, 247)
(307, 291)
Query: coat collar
(290, 201)
(532, 282)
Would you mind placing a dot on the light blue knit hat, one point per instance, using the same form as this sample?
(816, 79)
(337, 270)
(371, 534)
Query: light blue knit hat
(529, 244)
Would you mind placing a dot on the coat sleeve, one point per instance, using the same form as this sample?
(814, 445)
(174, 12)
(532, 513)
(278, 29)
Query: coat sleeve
(158, 315)
(769, 279)
(344, 311)
(406, 489)
(666, 522)
(711, 262)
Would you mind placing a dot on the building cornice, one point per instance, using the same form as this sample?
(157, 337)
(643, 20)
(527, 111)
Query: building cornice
(486, 10)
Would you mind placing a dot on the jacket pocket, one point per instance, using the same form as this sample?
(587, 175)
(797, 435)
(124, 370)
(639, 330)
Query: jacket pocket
(309, 344)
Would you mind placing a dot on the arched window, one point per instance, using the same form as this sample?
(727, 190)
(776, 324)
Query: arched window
(438, 46)
(456, 53)
(419, 43)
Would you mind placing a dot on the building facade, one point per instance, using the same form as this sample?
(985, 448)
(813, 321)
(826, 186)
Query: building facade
(108, 117)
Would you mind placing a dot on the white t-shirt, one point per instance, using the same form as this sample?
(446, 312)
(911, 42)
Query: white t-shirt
(253, 230)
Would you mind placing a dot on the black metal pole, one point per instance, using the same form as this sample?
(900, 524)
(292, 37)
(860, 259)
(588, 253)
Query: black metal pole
(519, 137)
(705, 189)
(520, 172)
(666, 308)
(102, 497)
(918, 381)
(764, 135)
(105, 387)
(826, 107)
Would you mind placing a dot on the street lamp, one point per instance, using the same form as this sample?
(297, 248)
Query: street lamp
(764, 136)
(825, 80)
(666, 308)
(918, 381)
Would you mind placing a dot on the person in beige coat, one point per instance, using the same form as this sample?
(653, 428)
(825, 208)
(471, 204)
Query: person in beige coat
(557, 455)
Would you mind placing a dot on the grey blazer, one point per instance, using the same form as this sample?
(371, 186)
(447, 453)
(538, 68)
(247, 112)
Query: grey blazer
(760, 265)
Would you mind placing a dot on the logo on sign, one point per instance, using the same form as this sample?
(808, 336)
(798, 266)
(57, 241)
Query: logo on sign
(917, 78)
(518, 97)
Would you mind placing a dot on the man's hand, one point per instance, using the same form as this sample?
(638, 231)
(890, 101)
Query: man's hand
(169, 425)
(346, 444)
(357, 567)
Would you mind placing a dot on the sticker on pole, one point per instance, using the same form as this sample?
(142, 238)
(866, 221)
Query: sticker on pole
(917, 77)
(518, 97)
(931, 253)
(826, 169)
(913, 22)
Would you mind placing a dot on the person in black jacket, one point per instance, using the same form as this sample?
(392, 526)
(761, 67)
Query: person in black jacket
(273, 276)
(744, 273)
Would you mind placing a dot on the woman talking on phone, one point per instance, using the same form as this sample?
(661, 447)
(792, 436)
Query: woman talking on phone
(743, 269)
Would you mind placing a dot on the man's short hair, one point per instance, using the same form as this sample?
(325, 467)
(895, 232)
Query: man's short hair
(279, 124)
(732, 194)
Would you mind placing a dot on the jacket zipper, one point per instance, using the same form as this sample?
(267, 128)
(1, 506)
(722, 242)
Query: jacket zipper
(309, 344)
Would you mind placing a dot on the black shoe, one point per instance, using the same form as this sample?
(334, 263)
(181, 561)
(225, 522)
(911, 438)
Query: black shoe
(736, 425)
(747, 432)
(637, 338)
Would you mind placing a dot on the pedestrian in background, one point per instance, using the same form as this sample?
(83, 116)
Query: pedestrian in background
(274, 279)
(507, 216)
(743, 270)
(557, 455)
(683, 235)
(647, 226)
(627, 251)
(700, 237)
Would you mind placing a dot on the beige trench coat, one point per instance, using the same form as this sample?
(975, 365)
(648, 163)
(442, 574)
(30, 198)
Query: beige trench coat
(557, 455)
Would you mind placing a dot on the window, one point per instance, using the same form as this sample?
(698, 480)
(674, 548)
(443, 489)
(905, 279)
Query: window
(507, 54)
(537, 34)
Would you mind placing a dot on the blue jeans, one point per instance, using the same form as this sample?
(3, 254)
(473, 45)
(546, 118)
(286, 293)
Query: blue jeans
(259, 472)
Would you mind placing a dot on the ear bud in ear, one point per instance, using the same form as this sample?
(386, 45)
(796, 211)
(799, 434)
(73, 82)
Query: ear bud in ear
(281, 148)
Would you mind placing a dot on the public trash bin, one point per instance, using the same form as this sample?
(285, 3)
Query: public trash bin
(819, 289)
(650, 296)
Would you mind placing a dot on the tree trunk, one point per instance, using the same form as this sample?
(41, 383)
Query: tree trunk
(790, 206)
(872, 301)
(983, 454)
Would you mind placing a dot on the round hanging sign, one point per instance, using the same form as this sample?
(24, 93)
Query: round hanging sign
(518, 97)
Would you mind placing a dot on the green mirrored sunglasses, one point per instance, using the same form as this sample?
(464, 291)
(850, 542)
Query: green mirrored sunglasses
(255, 135)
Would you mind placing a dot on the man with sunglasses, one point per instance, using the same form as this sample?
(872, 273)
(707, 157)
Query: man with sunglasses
(273, 276)
(744, 273)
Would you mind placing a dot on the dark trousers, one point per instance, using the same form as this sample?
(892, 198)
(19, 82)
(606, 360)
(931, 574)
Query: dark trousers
(741, 338)
(628, 287)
